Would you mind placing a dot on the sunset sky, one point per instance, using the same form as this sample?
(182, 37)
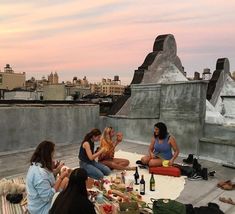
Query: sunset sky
(98, 38)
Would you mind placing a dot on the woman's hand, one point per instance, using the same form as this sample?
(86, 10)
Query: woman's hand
(64, 174)
(58, 168)
(171, 162)
(60, 179)
(102, 150)
(55, 163)
(151, 155)
(119, 137)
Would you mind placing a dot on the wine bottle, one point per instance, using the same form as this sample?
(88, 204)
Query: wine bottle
(152, 183)
(136, 176)
(142, 185)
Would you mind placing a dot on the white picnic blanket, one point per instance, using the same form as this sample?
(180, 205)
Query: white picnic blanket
(166, 186)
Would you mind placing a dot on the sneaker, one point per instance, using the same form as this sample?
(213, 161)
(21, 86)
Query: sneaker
(211, 173)
(189, 159)
(195, 177)
(139, 162)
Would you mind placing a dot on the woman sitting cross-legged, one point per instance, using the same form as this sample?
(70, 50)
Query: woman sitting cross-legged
(87, 156)
(74, 199)
(107, 157)
(41, 184)
(161, 147)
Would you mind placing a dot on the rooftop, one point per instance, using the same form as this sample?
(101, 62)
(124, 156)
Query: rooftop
(198, 193)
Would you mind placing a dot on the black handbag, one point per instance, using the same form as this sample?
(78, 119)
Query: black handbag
(167, 206)
(14, 198)
(185, 170)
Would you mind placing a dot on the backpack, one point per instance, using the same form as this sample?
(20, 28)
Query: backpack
(167, 206)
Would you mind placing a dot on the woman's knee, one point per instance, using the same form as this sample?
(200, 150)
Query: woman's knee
(106, 170)
(125, 163)
(103, 168)
(96, 174)
(93, 171)
(145, 159)
(155, 162)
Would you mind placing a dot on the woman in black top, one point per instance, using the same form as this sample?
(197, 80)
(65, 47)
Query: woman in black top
(74, 199)
(87, 156)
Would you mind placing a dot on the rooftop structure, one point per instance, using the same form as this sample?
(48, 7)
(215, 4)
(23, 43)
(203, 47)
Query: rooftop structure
(109, 87)
(10, 80)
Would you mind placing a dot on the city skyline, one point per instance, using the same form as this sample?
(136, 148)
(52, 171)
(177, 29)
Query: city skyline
(106, 38)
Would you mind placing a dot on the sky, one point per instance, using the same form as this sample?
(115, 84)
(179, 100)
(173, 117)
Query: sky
(103, 38)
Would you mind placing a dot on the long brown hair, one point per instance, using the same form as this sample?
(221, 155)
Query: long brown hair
(43, 154)
(93, 132)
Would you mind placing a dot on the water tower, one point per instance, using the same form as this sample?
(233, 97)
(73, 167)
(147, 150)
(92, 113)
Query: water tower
(116, 79)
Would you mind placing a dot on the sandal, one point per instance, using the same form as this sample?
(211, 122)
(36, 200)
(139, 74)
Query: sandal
(222, 183)
(228, 200)
(227, 186)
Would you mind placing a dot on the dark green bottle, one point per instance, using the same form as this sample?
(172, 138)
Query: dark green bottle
(152, 183)
(142, 185)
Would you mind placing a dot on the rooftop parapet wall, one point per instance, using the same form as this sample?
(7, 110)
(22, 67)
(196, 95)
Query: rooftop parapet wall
(23, 127)
(183, 107)
(184, 99)
(145, 101)
(219, 131)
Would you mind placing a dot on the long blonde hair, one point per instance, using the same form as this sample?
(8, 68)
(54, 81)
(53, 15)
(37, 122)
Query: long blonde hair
(106, 135)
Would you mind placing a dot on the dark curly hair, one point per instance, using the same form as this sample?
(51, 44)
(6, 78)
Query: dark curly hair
(162, 130)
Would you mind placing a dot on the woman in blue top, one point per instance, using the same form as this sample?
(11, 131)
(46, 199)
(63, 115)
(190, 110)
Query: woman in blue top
(161, 147)
(41, 184)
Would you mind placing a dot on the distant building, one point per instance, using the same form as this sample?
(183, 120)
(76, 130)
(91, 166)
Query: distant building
(31, 84)
(84, 82)
(78, 88)
(19, 94)
(54, 92)
(109, 87)
(233, 75)
(53, 78)
(10, 80)
(76, 91)
(196, 76)
(206, 75)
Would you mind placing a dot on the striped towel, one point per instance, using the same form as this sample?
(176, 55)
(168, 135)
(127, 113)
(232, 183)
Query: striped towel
(8, 208)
